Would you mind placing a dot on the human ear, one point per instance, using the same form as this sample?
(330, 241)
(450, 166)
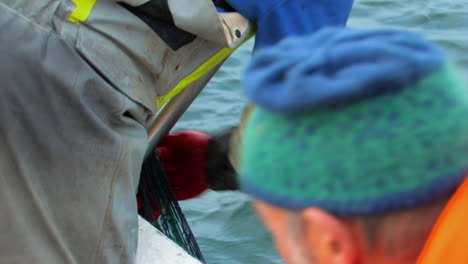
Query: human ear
(329, 240)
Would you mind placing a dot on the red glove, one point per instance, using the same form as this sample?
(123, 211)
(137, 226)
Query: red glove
(183, 156)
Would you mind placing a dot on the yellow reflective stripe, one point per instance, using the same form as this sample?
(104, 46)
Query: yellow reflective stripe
(82, 10)
(198, 73)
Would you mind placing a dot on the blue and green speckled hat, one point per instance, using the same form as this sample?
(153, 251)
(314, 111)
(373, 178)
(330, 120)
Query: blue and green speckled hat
(356, 122)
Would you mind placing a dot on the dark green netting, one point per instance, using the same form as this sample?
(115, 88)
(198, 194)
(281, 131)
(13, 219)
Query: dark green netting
(156, 193)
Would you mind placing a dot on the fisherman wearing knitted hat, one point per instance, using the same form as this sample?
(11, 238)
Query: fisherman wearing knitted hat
(359, 140)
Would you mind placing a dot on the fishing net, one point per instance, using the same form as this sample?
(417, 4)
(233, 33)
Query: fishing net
(161, 208)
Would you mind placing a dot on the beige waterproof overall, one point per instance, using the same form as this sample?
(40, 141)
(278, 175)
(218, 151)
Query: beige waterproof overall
(79, 81)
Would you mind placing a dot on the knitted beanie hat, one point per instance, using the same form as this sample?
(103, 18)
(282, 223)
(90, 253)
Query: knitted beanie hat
(356, 122)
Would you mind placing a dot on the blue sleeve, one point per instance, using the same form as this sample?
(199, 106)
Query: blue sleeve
(284, 18)
(250, 9)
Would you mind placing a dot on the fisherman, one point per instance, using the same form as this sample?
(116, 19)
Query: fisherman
(79, 82)
(357, 145)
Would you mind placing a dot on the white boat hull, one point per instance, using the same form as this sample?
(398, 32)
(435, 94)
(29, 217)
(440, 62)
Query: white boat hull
(155, 248)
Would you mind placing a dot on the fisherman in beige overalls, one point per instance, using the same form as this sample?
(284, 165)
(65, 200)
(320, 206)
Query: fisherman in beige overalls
(80, 80)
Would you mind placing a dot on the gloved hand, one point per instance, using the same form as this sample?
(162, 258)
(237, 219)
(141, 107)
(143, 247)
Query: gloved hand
(193, 162)
(183, 156)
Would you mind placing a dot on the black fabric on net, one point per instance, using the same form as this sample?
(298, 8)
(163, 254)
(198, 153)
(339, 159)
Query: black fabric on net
(155, 192)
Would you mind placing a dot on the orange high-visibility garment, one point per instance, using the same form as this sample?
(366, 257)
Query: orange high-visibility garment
(448, 241)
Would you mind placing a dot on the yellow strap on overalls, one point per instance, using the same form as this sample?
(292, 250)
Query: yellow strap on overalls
(199, 72)
(82, 10)
(195, 75)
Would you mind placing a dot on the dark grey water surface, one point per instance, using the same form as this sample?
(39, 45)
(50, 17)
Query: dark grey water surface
(224, 223)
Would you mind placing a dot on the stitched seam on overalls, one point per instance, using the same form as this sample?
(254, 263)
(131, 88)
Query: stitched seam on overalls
(29, 20)
(110, 200)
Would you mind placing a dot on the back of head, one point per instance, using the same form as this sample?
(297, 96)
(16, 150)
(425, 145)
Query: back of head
(360, 123)
(402, 233)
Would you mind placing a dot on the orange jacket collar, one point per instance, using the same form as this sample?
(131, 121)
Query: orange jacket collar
(448, 240)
